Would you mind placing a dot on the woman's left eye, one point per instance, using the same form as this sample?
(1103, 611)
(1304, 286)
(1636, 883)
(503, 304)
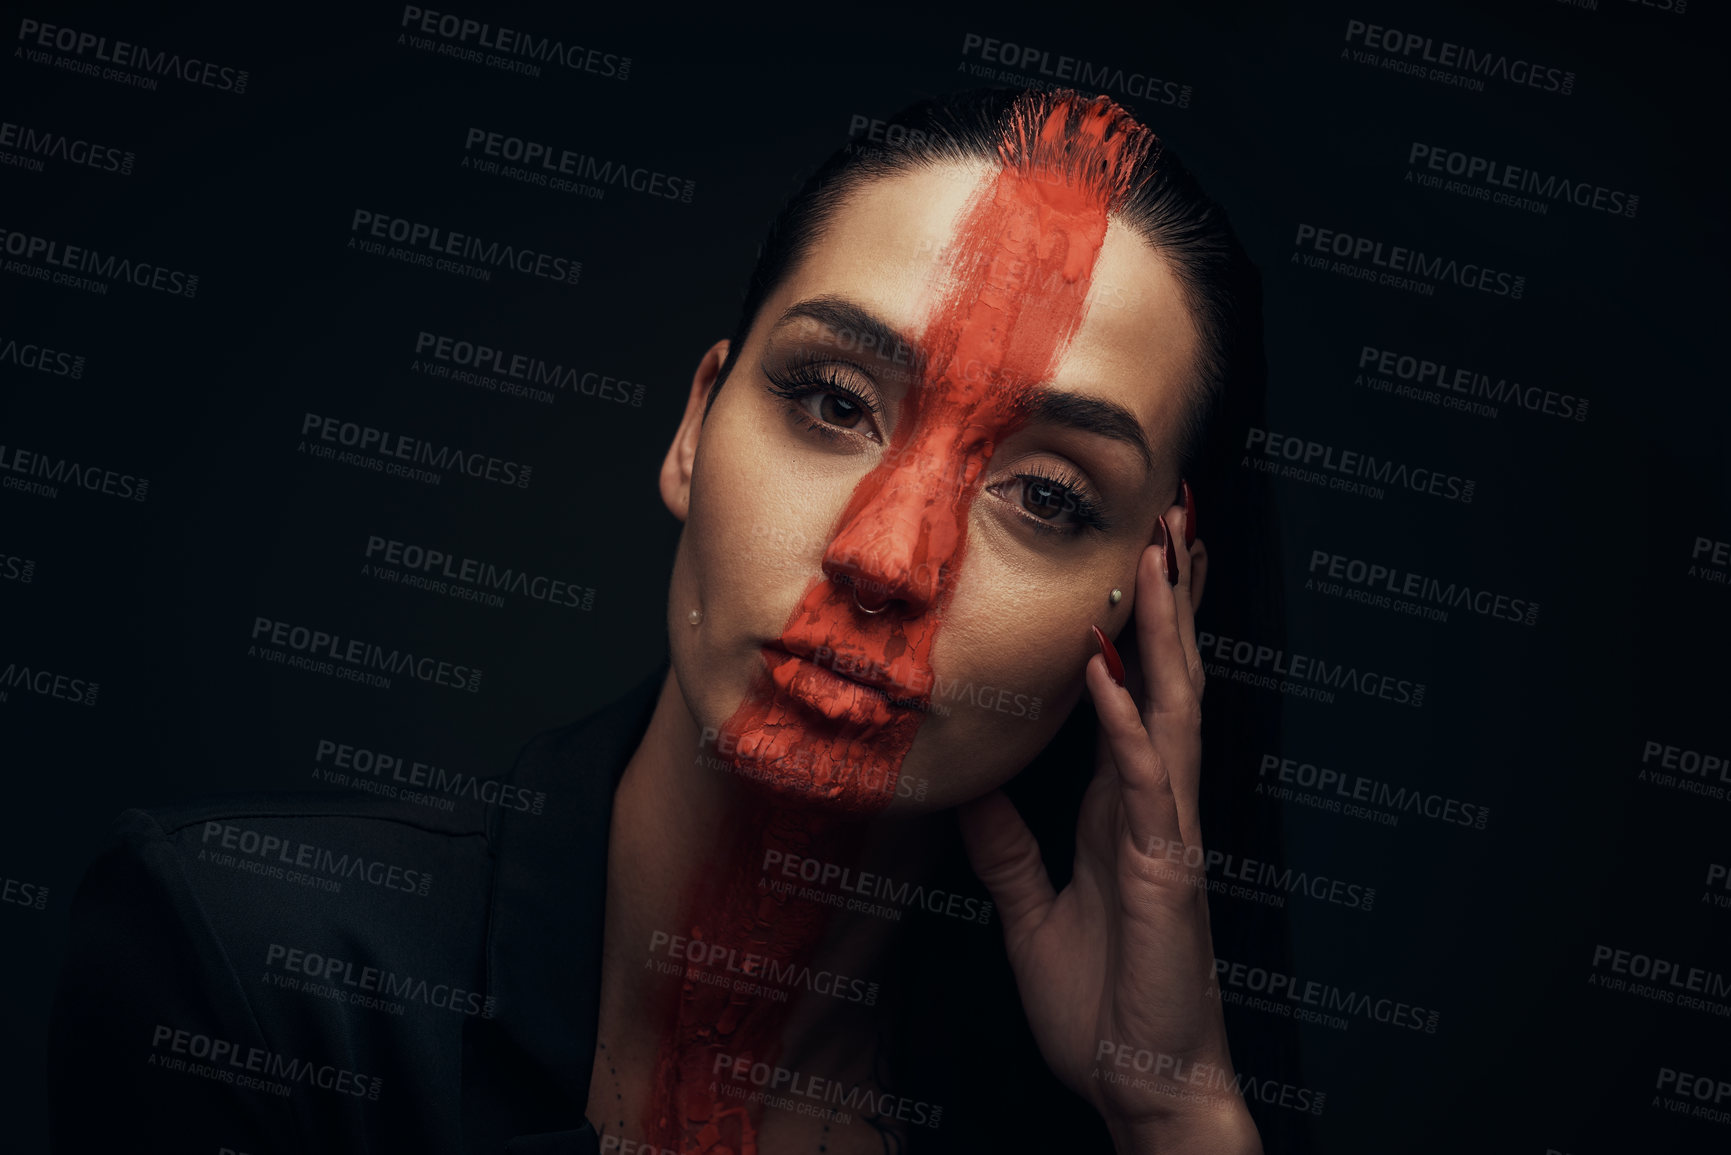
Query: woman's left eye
(1050, 505)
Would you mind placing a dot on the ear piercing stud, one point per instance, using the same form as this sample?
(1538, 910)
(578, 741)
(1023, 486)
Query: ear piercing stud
(695, 617)
(1116, 596)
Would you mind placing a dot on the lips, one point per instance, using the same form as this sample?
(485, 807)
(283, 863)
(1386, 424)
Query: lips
(835, 680)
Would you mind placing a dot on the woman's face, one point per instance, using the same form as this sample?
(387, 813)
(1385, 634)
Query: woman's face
(923, 423)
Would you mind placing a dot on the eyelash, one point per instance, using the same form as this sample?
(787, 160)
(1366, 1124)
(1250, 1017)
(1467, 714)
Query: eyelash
(1074, 497)
(806, 378)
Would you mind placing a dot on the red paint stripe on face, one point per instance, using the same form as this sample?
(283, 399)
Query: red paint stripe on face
(1024, 257)
(823, 744)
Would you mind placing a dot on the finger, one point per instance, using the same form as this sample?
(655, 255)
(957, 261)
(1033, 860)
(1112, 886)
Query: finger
(1188, 559)
(1003, 852)
(1173, 712)
(1149, 805)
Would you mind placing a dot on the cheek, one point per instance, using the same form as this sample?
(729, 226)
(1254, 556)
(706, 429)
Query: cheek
(1009, 662)
(760, 519)
(1010, 652)
(741, 522)
(1020, 615)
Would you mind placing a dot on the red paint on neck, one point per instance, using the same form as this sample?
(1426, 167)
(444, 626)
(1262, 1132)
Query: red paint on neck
(822, 744)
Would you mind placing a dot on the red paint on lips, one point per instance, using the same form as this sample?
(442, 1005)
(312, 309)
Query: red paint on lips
(828, 686)
(825, 746)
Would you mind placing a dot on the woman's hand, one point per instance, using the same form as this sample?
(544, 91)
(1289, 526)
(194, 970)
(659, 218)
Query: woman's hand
(1117, 972)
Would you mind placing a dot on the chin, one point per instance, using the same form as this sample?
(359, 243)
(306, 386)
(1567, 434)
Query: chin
(797, 762)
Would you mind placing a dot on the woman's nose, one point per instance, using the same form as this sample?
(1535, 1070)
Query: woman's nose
(897, 540)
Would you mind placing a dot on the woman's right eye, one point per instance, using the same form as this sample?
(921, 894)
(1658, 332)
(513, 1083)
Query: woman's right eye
(834, 408)
(824, 405)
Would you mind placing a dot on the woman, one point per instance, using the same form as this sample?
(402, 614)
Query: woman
(924, 484)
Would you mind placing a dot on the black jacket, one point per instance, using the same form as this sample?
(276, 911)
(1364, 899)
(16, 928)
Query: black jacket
(340, 972)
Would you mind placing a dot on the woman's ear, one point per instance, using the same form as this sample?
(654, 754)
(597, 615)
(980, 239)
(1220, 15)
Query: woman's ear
(682, 454)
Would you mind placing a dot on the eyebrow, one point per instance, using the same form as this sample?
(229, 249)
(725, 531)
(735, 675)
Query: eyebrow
(1090, 415)
(871, 333)
(1079, 411)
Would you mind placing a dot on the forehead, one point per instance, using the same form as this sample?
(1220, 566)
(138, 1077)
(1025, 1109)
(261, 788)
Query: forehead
(893, 248)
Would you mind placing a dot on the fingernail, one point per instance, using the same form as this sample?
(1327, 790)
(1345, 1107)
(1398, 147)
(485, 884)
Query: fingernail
(1189, 515)
(1171, 553)
(1114, 665)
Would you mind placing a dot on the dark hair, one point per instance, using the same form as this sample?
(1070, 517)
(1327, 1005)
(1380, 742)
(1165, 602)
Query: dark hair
(1163, 204)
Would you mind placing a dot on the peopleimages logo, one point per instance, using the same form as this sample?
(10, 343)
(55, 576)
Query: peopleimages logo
(867, 889)
(17, 569)
(870, 775)
(1660, 980)
(1680, 768)
(45, 683)
(1310, 1001)
(704, 957)
(1499, 182)
(1459, 388)
(515, 374)
(57, 471)
(1718, 878)
(255, 1068)
(380, 772)
(1674, 7)
(45, 259)
(1301, 675)
(1347, 470)
(369, 986)
(439, 567)
(1390, 587)
(20, 893)
(1424, 56)
(546, 164)
(880, 131)
(35, 145)
(399, 447)
(40, 358)
(331, 867)
(353, 654)
(94, 49)
(1185, 1078)
(428, 243)
(1703, 1089)
(1223, 873)
(1072, 72)
(1397, 266)
(777, 1086)
(1337, 791)
(506, 48)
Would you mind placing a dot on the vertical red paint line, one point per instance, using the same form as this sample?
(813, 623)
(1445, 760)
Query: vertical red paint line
(819, 744)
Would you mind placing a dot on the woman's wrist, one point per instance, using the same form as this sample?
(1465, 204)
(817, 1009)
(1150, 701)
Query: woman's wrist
(1222, 1126)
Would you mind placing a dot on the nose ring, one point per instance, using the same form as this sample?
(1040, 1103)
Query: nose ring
(862, 605)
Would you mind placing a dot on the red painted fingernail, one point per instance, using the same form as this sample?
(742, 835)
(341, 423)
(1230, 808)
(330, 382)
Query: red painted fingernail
(1171, 553)
(1114, 665)
(1189, 516)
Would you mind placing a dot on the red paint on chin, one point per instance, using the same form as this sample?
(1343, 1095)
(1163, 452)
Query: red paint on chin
(823, 744)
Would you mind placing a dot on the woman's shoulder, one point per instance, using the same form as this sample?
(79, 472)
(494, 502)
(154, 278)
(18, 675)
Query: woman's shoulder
(329, 949)
(252, 886)
(304, 843)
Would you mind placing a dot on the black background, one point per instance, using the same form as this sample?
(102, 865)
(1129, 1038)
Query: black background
(1594, 520)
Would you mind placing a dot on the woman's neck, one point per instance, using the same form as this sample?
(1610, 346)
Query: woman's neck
(722, 943)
